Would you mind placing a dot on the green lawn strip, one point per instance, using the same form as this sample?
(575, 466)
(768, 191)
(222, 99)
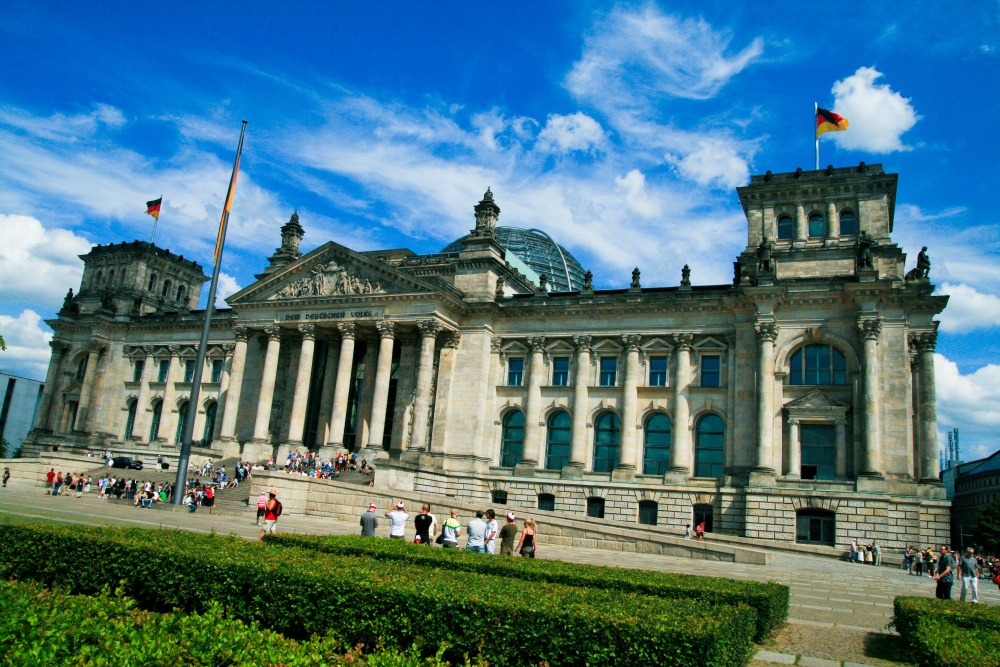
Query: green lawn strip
(391, 605)
(948, 633)
(42, 627)
(770, 600)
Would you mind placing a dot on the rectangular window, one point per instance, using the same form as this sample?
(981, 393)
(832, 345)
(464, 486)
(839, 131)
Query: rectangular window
(515, 371)
(609, 371)
(217, 370)
(188, 370)
(710, 367)
(164, 369)
(560, 371)
(137, 368)
(657, 371)
(819, 451)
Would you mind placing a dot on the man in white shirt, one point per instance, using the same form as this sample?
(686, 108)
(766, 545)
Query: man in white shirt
(398, 516)
(492, 529)
(477, 534)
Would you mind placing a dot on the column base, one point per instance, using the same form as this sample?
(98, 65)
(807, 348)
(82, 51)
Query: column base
(623, 473)
(284, 449)
(329, 451)
(793, 476)
(525, 469)
(933, 481)
(411, 456)
(257, 450)
(572, 470)
(762, 476)
(871, 483)
(230, 448)
(678, 475)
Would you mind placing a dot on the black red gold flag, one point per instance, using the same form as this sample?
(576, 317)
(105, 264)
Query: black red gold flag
(827, 121)
(153, 207)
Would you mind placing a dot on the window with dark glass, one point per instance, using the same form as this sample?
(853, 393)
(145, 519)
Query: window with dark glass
(546, 502)
(711, 436)
(154, 427)
(166, 288)
(152, 283)
(499, 496)
(848, 224)
(817, 364)
(607, 441)
(609, 371)
(817, 226)
(647, 512)
(815, 527)
(558, 436)
(182, 413)
(657, 371)
(560, 371)
(209, 432)
(512, 445)
(703, 513)
(137, 370)
(515, 371)
(164, 370)
(217, 370)
(130, 422)
(710, 370)
(656, 445)
(188, 370)
(595, 507)
(81, 368)
(818, 444)
(786, 227)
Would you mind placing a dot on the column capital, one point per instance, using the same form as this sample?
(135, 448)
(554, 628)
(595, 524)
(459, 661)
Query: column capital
(582, 343)
(451, 339)
(536, 343)
(228, 349)
(308, 331)
(386, 329)
(273, 332)
(240, 333)
(766, 331)
(841, 421)
(59, 347)
(496, 345)
(133, 351)
(683, 340)
(431, 328)
(631, 341)
(347, 329)
(925, 341)
(97, 345)
(870, 328)
(793, 421)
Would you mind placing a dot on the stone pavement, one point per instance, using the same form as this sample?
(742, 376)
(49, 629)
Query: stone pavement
(826, 595)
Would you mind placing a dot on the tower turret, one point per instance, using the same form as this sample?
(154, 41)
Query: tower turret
(288, 251)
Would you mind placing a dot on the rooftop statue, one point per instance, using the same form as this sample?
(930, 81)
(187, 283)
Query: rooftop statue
(923, 269)
(864, 250)
(765, 254)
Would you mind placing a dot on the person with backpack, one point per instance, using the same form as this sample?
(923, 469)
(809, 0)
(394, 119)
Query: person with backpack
(272, 510)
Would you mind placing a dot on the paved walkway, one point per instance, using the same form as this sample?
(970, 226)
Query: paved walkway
(826, 594)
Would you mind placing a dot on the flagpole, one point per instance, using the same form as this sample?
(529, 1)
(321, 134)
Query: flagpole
(152, 240)
(180, 485)
(815, 115)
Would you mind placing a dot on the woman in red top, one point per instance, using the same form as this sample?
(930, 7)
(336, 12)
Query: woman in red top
(270, 514)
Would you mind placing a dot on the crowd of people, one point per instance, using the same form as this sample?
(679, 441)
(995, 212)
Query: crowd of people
(310, 464)
(866, 554)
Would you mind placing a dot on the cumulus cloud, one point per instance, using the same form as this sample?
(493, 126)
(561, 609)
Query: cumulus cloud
(38, 265)
(971, 402)
(227, 287)
(27, 340)
(575, 132)
(969, 309)
(714, 162)
(633, 185)
(878, 115)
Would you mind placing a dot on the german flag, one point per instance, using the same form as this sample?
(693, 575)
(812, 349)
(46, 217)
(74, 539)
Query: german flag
(153, 207)
(827, 121)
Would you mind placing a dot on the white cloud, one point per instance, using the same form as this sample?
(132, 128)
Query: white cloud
(969, 309)
(38, 265)
(27, 340)
(575, 132)
(715, 162)
(227, 287)
(60, 127)
(971, 403)
(633, 185)
(877, 114)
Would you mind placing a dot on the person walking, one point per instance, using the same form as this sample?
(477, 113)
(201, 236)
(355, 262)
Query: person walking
(272, 510)
(398, 516)
(492, 528)
(425, 525)
(451, 531)
(6, 477)
(369, 521)
(477, 533)
(50, 478)
(968, 570)
(507, 536)
(944, 575)
(700, 531)
(209, 499)
(261, 505)
(528, 546)
(877, 551)
(687, 531)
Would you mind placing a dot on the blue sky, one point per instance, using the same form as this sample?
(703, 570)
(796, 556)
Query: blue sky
(621, 129)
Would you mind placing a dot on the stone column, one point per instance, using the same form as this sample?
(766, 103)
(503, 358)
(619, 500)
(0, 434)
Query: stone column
(230, 412)
(326, 400)
(338, 418)
(140, 428)
(95, 347)
(383, 373)
(46, 421)
(578, 437)
(870, 330)
(794, 470)
(840, 471)
(767, 333)
(297, 421)
(925, 343)
(801, 226)
(227, 365)
(266, 395)
(169, 396)
(429, 329)
(625, 470)
(680, 434)
(533, 409)
(832, 223)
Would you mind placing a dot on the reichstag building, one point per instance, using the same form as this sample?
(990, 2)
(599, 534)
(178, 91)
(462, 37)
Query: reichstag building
(796, 403)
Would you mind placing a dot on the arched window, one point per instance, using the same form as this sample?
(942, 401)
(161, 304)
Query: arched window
(557, 446)
(152, 283)
(166, 288)
(595, 507)
(99, 280)
(546, 502)
(111, 278)
(848, 223)
(817, 364)
(154, 428)
(182, 413)
(814, 526)
(786, 228)
(817, 226)
(180, 292)
(210, 412)
(512, 445)
(607, 442)
(711, 436)
(656, 441)
(647, 512)
(130, 421)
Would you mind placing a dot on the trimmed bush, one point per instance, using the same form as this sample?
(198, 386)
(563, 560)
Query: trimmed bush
(770, 600)
(41, 627)
(948, 633)
(390, 605)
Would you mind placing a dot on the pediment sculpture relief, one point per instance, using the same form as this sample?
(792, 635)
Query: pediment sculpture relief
(330, 279)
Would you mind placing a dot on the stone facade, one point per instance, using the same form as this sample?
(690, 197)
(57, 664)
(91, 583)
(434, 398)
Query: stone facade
(796, 403)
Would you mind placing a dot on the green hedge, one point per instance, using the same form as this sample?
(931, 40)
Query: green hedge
(948, 633)
(391, 605)
(41, 627)
(770, 600)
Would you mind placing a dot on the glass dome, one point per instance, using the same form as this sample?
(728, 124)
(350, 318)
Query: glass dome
(543, 255)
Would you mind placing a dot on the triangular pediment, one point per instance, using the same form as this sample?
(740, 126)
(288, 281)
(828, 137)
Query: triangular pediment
(815, 400)
(331, 271)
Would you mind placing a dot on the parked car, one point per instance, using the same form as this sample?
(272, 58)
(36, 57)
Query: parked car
(126, 462)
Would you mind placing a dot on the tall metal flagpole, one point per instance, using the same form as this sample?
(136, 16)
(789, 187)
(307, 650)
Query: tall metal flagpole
(192, 406)
(152, 240)
(815, 115)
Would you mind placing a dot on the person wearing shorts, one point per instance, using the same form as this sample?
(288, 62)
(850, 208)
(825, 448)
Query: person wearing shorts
(261, 504)
(270, 514)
